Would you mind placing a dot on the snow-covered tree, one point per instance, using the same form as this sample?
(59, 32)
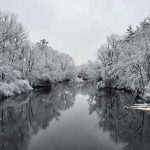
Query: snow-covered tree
(13, 39)
(125, 61)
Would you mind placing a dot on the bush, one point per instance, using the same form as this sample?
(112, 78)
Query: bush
(17, 87)
(101, 85)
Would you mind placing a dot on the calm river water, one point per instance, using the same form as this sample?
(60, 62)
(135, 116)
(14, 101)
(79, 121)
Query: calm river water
(73, 117)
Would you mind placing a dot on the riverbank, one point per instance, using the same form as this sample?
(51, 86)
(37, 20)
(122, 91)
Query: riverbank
(14, 88)
(22, 86)
(143, 95)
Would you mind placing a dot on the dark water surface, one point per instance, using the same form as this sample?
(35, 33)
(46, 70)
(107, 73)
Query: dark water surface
(73, 117)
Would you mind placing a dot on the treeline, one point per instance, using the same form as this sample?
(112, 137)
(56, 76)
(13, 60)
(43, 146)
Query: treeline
(20, 59)
(125, 60)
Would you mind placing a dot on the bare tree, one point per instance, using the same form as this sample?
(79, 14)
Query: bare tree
(65, 61)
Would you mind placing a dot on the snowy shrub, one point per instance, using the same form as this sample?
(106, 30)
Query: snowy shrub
(7, 89)
(147, 92)
(9, 73)
(23, 85)
(17, 87)
(78, 80)
(101, 85)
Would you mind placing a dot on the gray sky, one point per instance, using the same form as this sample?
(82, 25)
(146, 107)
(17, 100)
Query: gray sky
(77, 27)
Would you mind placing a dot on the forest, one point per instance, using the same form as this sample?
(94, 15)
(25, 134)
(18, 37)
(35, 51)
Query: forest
(123, 62)
(24, 65)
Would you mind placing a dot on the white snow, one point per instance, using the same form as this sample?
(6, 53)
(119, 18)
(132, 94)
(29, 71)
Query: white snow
(17, 87)
(78, 80)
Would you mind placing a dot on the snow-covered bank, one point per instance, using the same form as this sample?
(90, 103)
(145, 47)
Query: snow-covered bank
(104, 85)
(78, 80)
(143, 107)
(17, 87)
(143, 95)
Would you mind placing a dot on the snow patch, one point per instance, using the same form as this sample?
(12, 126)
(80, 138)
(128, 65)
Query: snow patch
(17, 87)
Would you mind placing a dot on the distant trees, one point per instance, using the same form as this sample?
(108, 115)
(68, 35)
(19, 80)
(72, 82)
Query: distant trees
(65, 61)
(19, 58)
(45, 63)
(44, 48)
(66, 65)
(30, 60)
(122, 62)
(89, 72)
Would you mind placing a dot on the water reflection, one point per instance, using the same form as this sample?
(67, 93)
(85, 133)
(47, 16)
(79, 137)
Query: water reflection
(130, 127)
(23, 116)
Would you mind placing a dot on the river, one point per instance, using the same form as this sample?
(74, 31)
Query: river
(73, 117)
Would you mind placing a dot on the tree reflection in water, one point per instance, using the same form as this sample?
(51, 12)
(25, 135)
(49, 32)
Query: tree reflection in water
(129, 127)
(24, 115)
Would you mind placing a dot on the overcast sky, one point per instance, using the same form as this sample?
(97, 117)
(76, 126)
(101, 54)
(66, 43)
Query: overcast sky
(77, 27)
